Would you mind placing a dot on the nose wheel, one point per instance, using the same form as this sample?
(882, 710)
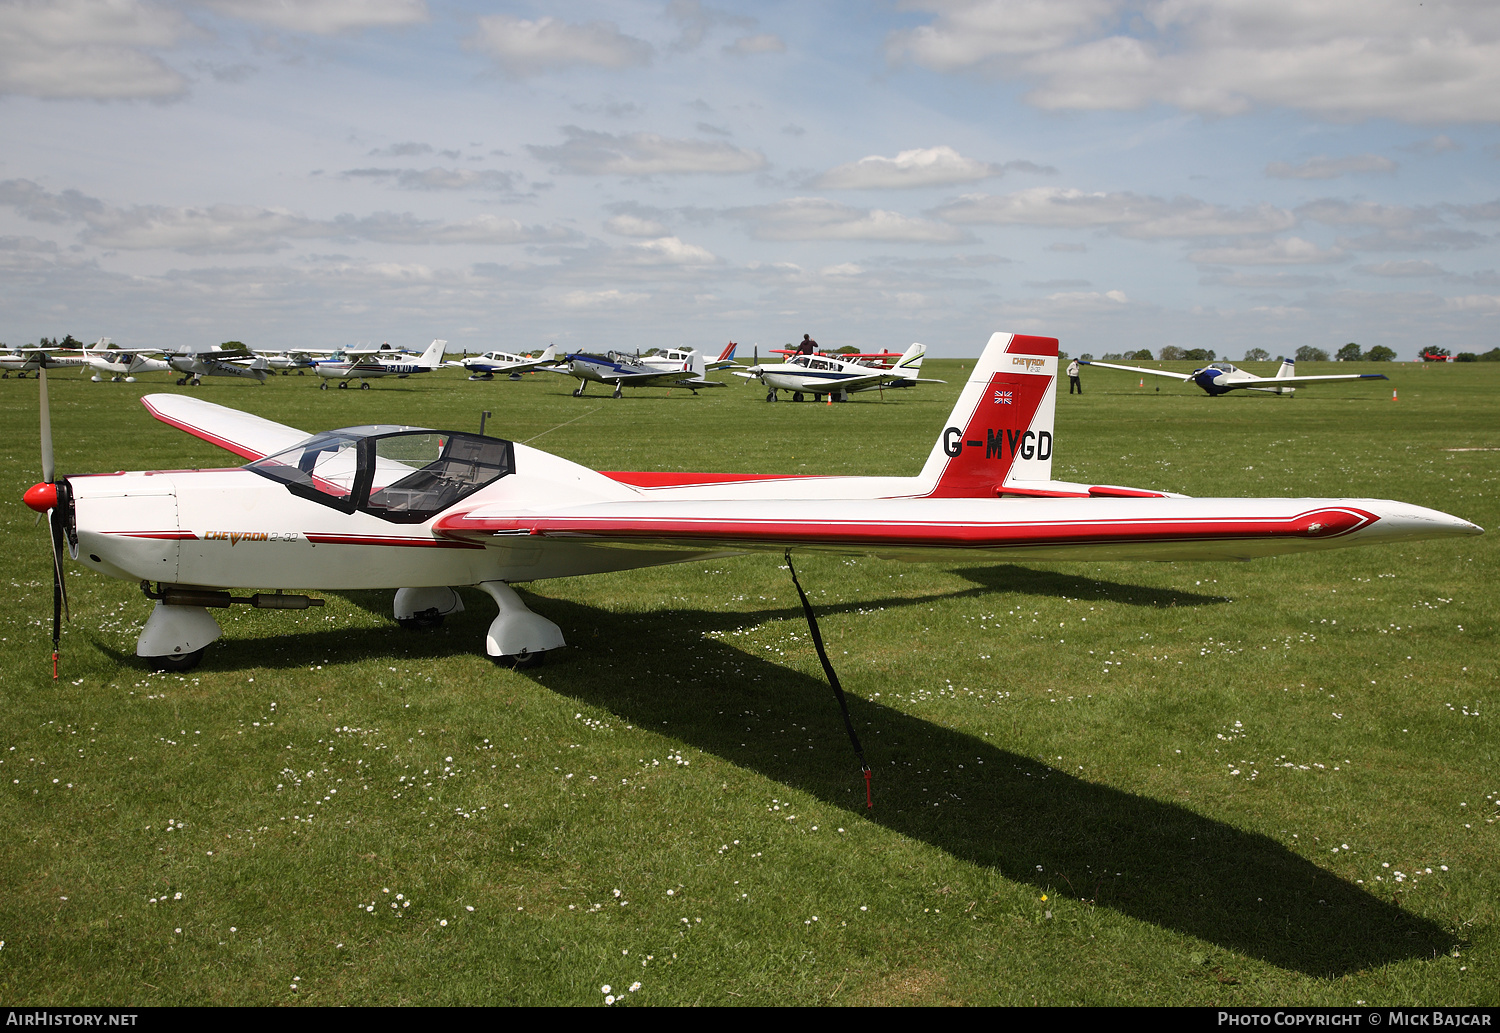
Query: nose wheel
(620, 391)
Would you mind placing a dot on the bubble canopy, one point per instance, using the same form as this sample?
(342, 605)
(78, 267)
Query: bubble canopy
(406, 475)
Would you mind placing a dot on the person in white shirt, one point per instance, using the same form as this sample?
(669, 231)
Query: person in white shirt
(1074, 384)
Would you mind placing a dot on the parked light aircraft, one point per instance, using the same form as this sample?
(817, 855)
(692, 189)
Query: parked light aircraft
(365, 366)
(121, 364)
(682, 359)
(194, 365)
(484, 367)
(623, 371)
(21, 361)
(836, 377)
(1219, 378)
(420, 511)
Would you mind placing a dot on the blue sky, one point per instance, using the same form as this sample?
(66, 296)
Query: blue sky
(1225, 174)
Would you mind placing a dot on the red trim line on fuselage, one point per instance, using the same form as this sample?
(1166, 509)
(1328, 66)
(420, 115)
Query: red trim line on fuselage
(387, 540)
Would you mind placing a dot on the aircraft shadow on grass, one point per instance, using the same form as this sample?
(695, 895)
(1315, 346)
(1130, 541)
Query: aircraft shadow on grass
(1150, 860)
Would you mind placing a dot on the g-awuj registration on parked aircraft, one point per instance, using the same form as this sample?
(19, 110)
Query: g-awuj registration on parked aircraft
(1218, 378)
(421, 510)
(836, 377)
(195, 364)
(365, 366)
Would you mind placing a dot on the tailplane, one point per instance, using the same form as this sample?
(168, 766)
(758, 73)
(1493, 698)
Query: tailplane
(1000, 430)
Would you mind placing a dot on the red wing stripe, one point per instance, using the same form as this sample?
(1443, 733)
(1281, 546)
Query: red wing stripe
(198, 432)
(1314, 524)
(675, 479)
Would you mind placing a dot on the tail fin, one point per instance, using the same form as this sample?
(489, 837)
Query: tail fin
(697, 365)
(911, 360)
(432, 358)
(1288, 369)
(727, 355)
(102, 344)
(1000, 430)
(548, 354)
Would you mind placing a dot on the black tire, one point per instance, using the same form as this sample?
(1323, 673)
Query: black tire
(364, 385)
(796, 396)
(344, 385)
(420, 622)
(181, 381)
(521, 661)
(770, 396)
(323, 385)
(620, 391)
(578, 393)
(175, 662)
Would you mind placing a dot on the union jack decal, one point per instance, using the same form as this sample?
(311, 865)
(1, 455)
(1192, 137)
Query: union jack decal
(1004, 397)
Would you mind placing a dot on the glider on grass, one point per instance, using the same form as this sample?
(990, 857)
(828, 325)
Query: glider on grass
(1218, 378)
(421, 510)
(835, 376)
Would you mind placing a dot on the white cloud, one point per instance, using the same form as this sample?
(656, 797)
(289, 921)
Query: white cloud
(1332, 211)
(761, 43)
(1323, 167)
(635, 226)
(242, 229)
(1338, 59)
(525, 48)
(601, 299)
(1129, 215)
(814, 218)
(666, 251)
(1411, 267)
(587, 152)
(931, 166)
(88, 49)
(323, 17)
(1287, 251)
(440, 178)
(1414, 239)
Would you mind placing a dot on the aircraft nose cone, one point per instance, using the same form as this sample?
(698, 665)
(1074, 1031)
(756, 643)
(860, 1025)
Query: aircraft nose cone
(41, 497)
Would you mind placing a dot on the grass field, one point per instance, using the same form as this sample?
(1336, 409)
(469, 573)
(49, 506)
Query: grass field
(1130, 783)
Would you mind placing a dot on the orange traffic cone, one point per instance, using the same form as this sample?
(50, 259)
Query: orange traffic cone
(1142, 383)
(1393, 395)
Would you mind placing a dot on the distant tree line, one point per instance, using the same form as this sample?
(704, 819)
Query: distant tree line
(1307, 353)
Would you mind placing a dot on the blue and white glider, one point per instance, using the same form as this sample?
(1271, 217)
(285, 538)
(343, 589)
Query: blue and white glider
(1219, 378)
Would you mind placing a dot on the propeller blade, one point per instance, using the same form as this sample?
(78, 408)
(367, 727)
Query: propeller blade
(59, 596)
(48, 467)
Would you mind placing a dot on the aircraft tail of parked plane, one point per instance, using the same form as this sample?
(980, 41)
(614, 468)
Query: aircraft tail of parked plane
(1000, 429)
(432, 358)
(1288, 369)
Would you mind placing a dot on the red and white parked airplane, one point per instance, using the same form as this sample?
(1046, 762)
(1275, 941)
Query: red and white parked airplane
(421, 510)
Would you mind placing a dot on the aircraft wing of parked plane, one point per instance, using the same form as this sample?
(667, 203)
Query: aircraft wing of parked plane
(1219, 378)
(420, 511)
(623, 371)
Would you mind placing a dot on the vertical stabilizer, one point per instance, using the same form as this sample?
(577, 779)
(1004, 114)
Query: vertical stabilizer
(1000, 430)
(1288, 369)
(432, 358)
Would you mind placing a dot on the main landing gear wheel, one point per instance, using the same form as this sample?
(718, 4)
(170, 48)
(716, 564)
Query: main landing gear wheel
(181, 381)
(579, 392)
(796, 396)
(620, 391)
(176, 662)
(197, 381)
(521, 661)
(344, 384)
(364, 385)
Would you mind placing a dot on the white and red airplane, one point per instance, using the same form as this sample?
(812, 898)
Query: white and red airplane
(421, 510)
(682, 359)
(484, 367)
(836, 376)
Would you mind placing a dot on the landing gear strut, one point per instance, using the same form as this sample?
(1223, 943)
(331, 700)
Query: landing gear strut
(517, 637)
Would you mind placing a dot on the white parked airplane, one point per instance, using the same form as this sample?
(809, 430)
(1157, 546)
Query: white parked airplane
(838, 378)
(21, 361)
(365, 366)
(682, 359)
(484, 367)
(623, 371)
(1219, 378)
(121, 364)
(421, 510)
